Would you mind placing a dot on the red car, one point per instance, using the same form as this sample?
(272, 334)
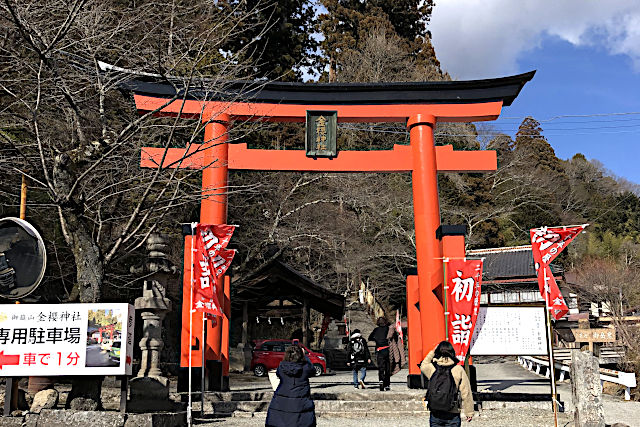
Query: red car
(267, 355)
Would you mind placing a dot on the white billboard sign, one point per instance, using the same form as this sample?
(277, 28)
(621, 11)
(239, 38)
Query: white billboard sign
(66, 339)
(518, 331)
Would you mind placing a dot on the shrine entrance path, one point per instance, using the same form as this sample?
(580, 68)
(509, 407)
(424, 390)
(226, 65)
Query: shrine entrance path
(337, 382)
(494, 374)
(503, 374)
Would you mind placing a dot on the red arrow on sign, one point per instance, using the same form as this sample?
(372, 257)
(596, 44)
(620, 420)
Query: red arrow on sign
(128, 360)
(9, 359)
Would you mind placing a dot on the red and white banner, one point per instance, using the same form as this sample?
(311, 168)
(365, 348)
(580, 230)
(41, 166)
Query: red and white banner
(216, 237)
(222, 261)
(399, 327)
(463, 287)
(210, 261)
(546, 245)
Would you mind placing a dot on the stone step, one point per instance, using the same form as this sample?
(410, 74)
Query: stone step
(333, 406)
(362, 395)
(329, 414)
(234, 396)
(546, 406)
(368, 406)
(374, 414)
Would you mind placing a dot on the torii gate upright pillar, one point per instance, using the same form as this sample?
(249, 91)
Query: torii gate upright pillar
(213, 210)
(426, 212)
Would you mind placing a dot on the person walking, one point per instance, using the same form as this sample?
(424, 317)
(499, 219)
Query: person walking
(380, 336)
(358, 357)
(291, 404)
(396, 351)
(449, 392)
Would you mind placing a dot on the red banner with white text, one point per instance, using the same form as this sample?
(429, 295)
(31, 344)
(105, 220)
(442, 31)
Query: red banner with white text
(222, 261)
(398, 326)
(210, 261)
(463, 287)
(546, 245)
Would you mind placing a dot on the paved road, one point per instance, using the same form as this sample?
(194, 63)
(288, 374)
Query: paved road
(97, 357)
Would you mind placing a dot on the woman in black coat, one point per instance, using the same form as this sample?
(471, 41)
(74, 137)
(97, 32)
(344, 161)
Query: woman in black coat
(291, 404)
(380, 336)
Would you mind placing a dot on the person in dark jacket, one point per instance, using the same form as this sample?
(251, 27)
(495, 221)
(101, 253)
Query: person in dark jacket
(291, 404)
(358, 357)
(380, 336)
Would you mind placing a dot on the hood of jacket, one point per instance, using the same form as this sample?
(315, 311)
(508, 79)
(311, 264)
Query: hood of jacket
(291, 369)
(444, 361)
(356, 335)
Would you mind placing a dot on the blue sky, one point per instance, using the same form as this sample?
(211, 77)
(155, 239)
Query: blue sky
(582, 81)
(588, 62)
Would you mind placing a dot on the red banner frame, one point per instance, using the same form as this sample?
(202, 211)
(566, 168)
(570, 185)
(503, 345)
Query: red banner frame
(463, 289)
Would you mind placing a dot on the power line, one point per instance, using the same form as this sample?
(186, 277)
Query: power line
(539, 135)
(501, 119)
(502, 131)
(626, 113)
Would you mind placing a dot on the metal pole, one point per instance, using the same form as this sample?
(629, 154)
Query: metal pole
(124, 381)
(204, 347)
(8, 396)
(552, 370)
(189, 420)
(23, 198)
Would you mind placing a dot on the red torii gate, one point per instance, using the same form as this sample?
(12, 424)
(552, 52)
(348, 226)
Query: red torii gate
(107, 328)
(419, 105)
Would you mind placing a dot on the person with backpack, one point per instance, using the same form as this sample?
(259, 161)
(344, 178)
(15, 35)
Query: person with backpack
(449, 391)
(381, 337)
(291, 404)
(358, 357)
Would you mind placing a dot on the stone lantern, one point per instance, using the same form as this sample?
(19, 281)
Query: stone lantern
(149, 390)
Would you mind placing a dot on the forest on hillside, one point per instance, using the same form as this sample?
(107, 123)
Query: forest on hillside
(67, 127)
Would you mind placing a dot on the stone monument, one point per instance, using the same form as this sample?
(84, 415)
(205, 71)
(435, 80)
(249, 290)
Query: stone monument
(586, 390)
(149, 390)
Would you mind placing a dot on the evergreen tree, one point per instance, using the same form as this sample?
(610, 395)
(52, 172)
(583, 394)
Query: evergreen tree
(277, 37)
(347, 24)
(531, 142)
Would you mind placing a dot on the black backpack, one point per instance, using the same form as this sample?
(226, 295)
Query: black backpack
(357, 348)
(442, 392)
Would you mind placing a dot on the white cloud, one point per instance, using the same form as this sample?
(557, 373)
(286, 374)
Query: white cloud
(483, 38)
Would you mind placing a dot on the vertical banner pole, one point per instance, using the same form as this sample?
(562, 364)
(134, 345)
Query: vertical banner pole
(552, 368)
(204, 348)
(193, 232)
(445, 289)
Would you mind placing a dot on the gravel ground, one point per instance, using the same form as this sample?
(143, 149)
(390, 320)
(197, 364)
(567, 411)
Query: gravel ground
(487, 419)
(497, 375)
(508, 376)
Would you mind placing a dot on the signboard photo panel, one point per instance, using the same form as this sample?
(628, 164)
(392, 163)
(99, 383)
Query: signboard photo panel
(510, 331)
(66, 339)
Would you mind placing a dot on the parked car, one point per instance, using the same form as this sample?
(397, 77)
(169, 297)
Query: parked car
(106, 344)
(114, 353)
(267, 355)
